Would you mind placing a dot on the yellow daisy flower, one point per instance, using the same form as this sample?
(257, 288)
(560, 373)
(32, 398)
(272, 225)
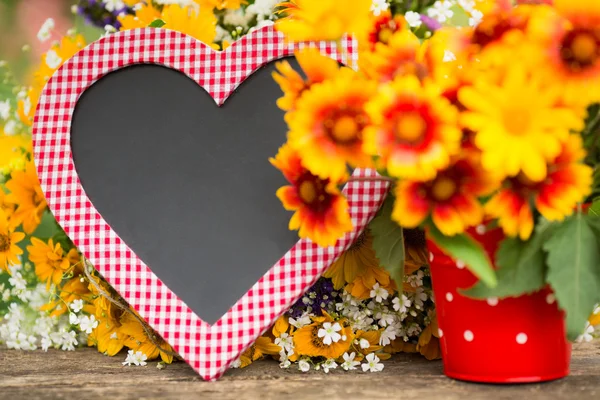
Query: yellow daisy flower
(200, 24)
(221, 4)
(13, 149)
(519, 123)
(136, 339)
(352, 262)
(8, 244)
(144, 15)
(308, 20)
(26, 193)
(50, 260)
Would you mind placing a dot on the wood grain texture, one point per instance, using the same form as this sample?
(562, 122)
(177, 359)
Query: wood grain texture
(86, 374)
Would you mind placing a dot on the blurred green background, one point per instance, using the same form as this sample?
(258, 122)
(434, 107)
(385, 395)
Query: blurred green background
(20, 21)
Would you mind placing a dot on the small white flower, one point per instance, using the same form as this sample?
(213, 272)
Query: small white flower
(53, 60)
(114, 336)
(587, 335)
(303, 365)
(73, 319)
(448, 56)
(364, 343)
(329, 364)
(46, 342)
(46, 30)
(349, 362)
(467, 5)
(413, 19)
(379, 293)
(401, 304)
(379, 6)
(113, 5)
(372, 364)
(441, 11)
(88, 324)
(4, 109)
(11, 127)
(68, 340)
(285, 341)
(476, 17)
(76, 305)
(236, 364)
(138, 358)
(329, 333)
(388, 334)
(300, 322)
(17, 281)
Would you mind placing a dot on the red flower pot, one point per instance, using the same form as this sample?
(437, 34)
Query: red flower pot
(514, 340)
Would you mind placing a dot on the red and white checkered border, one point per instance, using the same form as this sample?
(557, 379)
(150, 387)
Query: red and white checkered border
(209, 349)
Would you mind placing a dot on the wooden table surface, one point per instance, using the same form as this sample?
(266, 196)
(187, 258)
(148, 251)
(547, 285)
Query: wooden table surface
(86, 374)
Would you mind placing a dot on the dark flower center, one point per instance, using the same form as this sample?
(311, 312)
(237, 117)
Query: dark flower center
(4, 243)
(345, 126)
(313, 192)
(580, 49)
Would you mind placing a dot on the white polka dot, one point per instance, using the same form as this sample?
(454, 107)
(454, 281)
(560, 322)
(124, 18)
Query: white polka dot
(449, 296)
(430, 257)
(480, 229)
(492, 301)
(460, 264)
(469, 336)
(440, 332)
(550, 299)
(521, 338)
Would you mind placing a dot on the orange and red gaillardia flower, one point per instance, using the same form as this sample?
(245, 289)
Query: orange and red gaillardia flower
(315, 66)
(326, 129)
(383, 27)
(571, 49)
(321, 211)
(413, 129)
(568, 182)
(451, 198)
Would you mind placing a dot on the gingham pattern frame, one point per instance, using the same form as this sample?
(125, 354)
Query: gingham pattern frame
(209, 349)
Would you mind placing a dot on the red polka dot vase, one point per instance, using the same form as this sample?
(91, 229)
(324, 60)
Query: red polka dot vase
(513, 340)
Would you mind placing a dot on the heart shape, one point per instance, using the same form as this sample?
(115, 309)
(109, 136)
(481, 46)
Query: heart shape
(208, 348)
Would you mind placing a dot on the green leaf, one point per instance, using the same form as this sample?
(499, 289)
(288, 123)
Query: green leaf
(574, 269)
(157, 23)
(521, 267)
(388, 242)
(594, 209)
(464, 248)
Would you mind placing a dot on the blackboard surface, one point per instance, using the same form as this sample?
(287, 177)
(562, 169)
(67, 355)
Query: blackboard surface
(185, 183)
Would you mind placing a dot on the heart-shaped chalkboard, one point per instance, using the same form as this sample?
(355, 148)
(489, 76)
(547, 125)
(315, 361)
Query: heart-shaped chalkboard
(169, 193)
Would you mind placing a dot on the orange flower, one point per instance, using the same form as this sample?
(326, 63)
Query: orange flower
(326, 129)
(323, 19)
(9, 251)
(26, 193)
(323, 338)
(401, 55)
(567, 183)
(413, 129)
(50, 260)
(321, 211)
(451, 198)
(316, 67)
(572, 49)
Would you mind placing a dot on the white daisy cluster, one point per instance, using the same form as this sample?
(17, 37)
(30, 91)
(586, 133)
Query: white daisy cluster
(235, 23)
(443, 10)
(22, 325)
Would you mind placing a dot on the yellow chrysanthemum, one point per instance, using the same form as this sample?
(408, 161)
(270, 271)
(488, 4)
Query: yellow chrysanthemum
(519, 123)
(13, 149)
(50, 260)
(26, 193)
(365, 280)
(352, 262)
(107, 337)
(413, 129)
(144, 15)
(200, 24)
(9, 251)
(135, 338)
(324, 19)
(326, 129)
(323, 338)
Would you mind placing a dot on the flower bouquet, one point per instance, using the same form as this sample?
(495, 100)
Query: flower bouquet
(488, 137)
